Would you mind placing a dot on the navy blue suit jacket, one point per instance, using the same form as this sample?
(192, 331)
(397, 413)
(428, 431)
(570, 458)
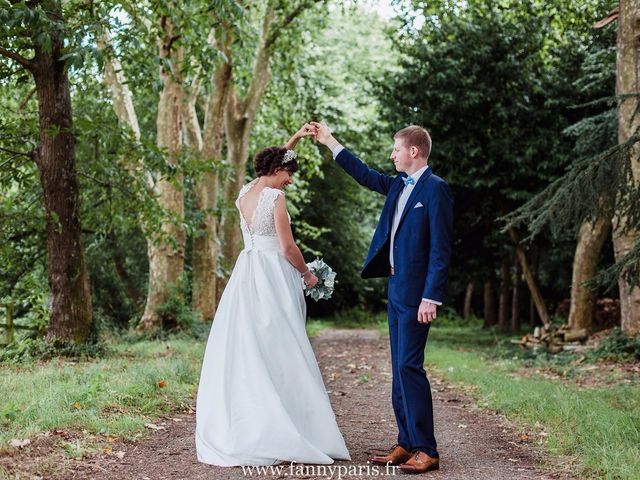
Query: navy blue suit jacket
(422, 244)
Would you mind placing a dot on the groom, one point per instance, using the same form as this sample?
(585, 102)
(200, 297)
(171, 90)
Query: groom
(411, 246)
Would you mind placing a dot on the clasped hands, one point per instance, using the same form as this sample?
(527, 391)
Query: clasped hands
(317, 130)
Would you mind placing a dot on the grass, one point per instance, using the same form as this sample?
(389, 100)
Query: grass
(599, 427)
(112, 396)
(354, 318)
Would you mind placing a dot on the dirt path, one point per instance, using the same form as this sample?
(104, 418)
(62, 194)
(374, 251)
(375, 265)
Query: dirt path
(356, 368)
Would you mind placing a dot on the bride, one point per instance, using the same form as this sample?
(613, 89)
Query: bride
(261, 398)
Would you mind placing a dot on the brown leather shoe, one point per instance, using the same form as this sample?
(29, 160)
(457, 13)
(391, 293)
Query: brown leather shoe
(420, 462)
(396, 456)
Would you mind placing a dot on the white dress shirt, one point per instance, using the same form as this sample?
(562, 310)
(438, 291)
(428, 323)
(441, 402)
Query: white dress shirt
(402, 202)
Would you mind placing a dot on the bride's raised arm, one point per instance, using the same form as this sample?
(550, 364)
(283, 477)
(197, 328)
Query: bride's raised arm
(307, 130)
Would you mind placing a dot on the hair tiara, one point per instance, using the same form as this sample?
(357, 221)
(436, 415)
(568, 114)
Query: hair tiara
(289, 156)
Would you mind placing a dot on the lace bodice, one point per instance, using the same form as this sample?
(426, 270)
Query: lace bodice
(262, 221)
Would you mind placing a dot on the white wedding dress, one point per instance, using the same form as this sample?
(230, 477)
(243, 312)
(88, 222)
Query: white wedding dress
(261, 398)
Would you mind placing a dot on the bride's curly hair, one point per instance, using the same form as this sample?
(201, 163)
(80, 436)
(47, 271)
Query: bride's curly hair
(269, 160)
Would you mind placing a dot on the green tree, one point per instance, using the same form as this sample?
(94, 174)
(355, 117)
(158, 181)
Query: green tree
(613, 193)
(37, 37)
(485, 84)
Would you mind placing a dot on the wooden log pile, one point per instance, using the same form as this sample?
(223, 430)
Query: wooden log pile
(555, 339)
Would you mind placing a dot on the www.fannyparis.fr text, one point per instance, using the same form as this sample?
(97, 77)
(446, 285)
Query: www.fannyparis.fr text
(330, 472)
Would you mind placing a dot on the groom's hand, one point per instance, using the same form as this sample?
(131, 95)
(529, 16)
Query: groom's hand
(427, 312)
(323, 134)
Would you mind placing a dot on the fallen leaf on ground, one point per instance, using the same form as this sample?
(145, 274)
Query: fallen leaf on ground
(120, 454)
(153, 426)
(17, 443)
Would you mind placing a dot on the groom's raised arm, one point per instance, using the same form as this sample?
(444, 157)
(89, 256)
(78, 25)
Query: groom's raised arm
(365, 176)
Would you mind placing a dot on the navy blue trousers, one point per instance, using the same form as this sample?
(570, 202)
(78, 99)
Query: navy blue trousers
(411, 392)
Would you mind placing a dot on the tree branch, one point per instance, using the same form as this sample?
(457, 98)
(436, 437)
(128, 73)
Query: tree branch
(17, 154)
(277, 29)
(23, 103)
(260, 75)
(98, 181)
(17, 57)
(11, 158)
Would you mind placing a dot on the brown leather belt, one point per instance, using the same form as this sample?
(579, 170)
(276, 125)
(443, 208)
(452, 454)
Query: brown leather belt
(393, 272)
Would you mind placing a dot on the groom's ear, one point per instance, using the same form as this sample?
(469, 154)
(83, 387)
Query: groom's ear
(413, 151)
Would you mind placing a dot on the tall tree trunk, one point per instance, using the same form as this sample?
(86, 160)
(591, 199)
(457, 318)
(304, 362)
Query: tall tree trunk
(503, 304)
(193, 140)
(532, 312)
(536, 296)
(489, 304)
(205, 252)
(71, 316)
(591, 237)
(237, 131)
(535, 260)
(468, 296)
(239, 118)
(122, 101)
(628, 83)
(166, 248)
(516, 297)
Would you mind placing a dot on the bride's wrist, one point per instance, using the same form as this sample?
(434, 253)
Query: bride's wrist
(304, 274)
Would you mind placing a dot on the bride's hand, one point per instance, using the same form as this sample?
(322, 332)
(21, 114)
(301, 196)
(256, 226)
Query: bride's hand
(310, 280)
(307, 130)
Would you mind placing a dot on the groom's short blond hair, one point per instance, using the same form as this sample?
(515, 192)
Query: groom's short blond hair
(416, 136)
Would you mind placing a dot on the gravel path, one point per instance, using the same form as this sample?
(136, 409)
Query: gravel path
(356, 367)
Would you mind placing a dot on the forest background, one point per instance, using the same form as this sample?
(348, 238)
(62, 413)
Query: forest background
(127, 129)
(127, 219)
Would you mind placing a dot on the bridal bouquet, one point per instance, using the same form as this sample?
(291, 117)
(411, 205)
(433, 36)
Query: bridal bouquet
(326, 280)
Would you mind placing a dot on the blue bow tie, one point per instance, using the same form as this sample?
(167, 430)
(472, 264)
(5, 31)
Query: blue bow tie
(408, 181)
